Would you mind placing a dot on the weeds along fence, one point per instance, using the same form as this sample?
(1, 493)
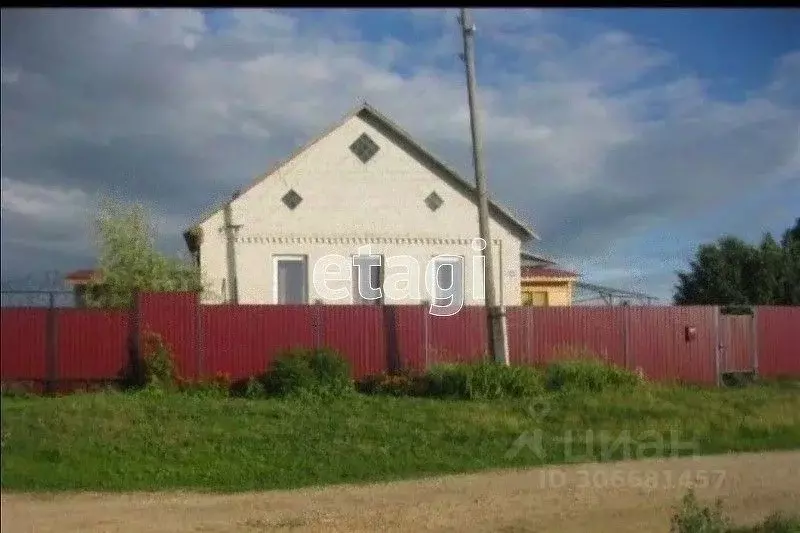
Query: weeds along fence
(65, 348)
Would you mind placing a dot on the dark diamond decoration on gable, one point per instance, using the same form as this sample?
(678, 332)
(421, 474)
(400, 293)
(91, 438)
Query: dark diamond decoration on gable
(434, 201)
(292, 199)
(364, 148)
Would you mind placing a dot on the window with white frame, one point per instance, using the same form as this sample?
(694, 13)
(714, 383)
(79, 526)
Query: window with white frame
(290, 279)
(447, 280)
(368, 279)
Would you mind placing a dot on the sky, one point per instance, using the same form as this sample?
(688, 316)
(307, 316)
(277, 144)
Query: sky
(624, 137)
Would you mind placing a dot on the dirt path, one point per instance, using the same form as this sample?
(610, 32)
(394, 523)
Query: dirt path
(558, 499)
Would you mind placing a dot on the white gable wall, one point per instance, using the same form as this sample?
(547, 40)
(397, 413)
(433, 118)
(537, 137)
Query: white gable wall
(347, 204)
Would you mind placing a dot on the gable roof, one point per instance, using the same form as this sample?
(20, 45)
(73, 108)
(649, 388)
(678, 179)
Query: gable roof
(527, 258)
(367, 112)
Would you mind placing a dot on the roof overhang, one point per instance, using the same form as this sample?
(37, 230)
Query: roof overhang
(82, 277)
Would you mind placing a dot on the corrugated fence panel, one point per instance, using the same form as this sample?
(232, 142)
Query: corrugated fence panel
(545, 334)
(175, 316)
(736, 336)
(23, 344)
(357, 331)
(243, 340)
(778, 340)
(517, 334)
(411, 322)
(658, 345)
(458, 338)
(91, 344)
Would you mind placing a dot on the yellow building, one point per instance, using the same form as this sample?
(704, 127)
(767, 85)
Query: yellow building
(544, 284)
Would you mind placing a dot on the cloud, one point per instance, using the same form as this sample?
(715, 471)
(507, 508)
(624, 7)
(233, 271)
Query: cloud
(177, 108)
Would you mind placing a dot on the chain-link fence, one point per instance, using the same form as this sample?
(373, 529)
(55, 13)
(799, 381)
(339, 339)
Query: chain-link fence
(55, 299)
(47, 289)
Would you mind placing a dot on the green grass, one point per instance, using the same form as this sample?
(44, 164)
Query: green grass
(692, 517)
(775, 523)
(146, 441)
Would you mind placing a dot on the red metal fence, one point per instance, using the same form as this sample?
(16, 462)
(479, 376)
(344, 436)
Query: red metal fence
(778, 341)
(687, 344)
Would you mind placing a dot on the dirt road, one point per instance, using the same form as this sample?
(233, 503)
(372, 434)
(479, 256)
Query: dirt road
(614, 497)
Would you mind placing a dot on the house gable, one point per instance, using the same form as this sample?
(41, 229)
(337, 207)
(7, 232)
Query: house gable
(364, 182)
(400, 171)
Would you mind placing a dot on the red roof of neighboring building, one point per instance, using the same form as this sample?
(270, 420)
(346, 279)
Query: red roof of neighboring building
(546, 272)
(83, 275)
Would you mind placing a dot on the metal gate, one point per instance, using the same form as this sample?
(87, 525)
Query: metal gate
(737, 343)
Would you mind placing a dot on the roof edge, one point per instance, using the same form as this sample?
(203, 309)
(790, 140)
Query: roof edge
(503, 212)
(546, 272)
(277, 166)
(364, 107)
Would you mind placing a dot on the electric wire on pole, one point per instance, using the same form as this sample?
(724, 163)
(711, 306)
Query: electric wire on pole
(496, 326)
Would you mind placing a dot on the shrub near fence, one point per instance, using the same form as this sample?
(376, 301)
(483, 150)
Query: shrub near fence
(663, 343)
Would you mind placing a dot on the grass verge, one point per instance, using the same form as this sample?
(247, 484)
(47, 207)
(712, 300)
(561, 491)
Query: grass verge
(692, 517)
(155, 441)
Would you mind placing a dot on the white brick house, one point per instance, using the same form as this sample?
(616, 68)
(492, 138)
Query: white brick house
(363, 182)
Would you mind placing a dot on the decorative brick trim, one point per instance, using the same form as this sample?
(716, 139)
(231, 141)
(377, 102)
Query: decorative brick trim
(291, 239)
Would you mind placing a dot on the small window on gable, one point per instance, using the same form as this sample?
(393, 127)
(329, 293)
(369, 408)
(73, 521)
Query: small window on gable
(364, 148)
(434, 201)
(291, 199)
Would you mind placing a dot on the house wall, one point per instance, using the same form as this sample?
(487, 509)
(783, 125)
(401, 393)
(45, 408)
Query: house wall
(347, 204)
(559, 293)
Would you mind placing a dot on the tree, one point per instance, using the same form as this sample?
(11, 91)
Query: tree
(791, 246)
(129, 260)
(733, 272)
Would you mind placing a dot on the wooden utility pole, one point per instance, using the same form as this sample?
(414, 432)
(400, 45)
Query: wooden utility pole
(495, 313)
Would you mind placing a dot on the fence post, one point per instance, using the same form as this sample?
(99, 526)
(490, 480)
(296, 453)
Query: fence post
(626, 315)
(317, 324)
(717, 346)
(527, 357)
(754, 340)
(425, 332)
(51, 346)
(198, 330)
(133, 367)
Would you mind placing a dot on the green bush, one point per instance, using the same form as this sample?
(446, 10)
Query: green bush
(691, 517)
(316, 372)
(739, 379)
(483, 381)
(588, 375)
(448, 380)
(218, 385)
(158, 362)
(398, 383)
(775, 523)
(15, 389)
(254, 388)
